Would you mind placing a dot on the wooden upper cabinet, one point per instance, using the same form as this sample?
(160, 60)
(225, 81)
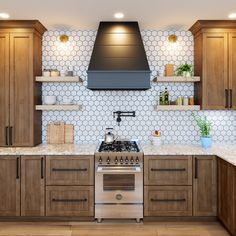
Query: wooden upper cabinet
(4, 88)
(32, 186)
(215, 69)
(9, 186)
(204, 186)
(21, 61)
(215, 63)
(21, 84)
(232, 70)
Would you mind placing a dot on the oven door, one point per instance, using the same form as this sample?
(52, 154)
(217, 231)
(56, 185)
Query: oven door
(119, 184)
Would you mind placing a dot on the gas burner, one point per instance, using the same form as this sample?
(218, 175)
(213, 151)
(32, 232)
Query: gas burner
(119, 146)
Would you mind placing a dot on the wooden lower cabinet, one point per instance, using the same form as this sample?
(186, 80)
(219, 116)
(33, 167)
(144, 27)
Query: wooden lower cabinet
(70, 170)
(9, 186)
(205, 186)
(168, 170)
(227, 195)
(167, 201)
(70, 201)
(32, 186)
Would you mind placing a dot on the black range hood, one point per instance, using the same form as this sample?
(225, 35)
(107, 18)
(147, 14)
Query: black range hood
(118, 60)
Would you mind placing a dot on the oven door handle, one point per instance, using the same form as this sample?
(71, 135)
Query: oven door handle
(117, 169)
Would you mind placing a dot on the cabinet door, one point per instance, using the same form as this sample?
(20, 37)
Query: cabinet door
(226, 189)
(21, 89)
(9, 186)
(215, 70)
(232, 70)
(4, 88)
(204, 186)
(32, 186)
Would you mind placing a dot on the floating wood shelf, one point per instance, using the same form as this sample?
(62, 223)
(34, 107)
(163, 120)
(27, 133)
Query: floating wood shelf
(177, 79)
(177, 108)
(62, 79)
(58, 107)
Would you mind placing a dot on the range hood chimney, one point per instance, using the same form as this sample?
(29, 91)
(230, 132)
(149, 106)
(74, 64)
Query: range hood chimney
(118, 60)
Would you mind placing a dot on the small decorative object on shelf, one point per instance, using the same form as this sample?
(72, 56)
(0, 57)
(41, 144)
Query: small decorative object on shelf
(185, 70)
(205, 130)
(169, 70)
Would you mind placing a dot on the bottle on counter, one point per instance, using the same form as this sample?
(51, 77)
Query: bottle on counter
(161, 101)
(166, 97)
(185, 101)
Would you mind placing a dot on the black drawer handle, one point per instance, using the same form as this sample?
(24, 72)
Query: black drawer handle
(10, 136)
(226, 98)
(70, 200)
(156, 169)
(73, 169)
(168, 200)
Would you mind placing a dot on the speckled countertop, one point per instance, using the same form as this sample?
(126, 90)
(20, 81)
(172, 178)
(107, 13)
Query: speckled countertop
(226, 152)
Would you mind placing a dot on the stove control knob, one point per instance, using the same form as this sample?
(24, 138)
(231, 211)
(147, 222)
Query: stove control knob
(121, 160)
(100, 160)
(116, 160)
(108, 160)
(137, 160)
(126, 160)
(132, 160)
(119, 196)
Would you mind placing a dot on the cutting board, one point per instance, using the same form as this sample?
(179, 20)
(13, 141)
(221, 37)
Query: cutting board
(60, 133)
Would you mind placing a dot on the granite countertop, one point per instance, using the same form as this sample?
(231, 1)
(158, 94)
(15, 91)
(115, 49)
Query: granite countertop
(226, 152)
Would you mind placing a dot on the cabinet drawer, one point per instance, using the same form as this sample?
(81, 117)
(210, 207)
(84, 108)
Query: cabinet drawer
(168, 170)
(69, 201)
(71, 170)
(168, 201)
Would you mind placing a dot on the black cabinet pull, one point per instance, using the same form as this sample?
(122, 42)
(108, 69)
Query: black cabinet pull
(196, 168)
(156, 169)
(42, 174)
(73, 169)
(226, 98)
(6, 135)
(168, 200)
(70, 200)
(10, 136)
(231, 99)
(17, 167)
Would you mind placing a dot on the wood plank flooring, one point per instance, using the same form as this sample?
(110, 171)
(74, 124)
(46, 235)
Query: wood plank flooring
(111, 228)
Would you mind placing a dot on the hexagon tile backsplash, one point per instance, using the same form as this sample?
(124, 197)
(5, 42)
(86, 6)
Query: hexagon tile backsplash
(98, 106)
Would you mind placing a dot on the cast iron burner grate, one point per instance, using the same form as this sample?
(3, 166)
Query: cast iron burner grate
(119, 146)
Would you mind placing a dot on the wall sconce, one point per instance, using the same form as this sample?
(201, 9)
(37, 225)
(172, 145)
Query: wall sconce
(64, 38)
(172, 38)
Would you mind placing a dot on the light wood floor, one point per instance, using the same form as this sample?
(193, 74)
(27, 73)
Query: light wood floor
(113, 229)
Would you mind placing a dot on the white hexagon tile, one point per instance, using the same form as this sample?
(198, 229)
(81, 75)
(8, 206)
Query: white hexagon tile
(98, 106)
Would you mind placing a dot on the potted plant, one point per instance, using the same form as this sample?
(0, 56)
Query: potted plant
(185, 70)
(205, 130)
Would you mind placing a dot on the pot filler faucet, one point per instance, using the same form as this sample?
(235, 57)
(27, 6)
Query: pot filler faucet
(120, 114)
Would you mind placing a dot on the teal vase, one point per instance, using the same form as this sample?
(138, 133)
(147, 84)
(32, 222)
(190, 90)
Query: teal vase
(206, 142)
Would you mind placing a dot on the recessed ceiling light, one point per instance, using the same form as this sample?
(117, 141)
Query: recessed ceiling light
(4, 15)
(119, 15)
(232, 16)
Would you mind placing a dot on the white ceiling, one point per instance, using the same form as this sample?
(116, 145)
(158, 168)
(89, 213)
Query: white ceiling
(86, 14)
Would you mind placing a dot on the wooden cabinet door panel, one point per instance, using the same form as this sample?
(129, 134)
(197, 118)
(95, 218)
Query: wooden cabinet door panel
(168, 201)
(32, 186)
(232, 69)
(168, 170)
(4, 88)
(21, 88)
(204, 186)
(9, 186)
(215, 70)
(69, 170)
(69, 201)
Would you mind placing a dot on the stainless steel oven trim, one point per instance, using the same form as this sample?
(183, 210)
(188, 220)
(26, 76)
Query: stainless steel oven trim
(118, 169)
